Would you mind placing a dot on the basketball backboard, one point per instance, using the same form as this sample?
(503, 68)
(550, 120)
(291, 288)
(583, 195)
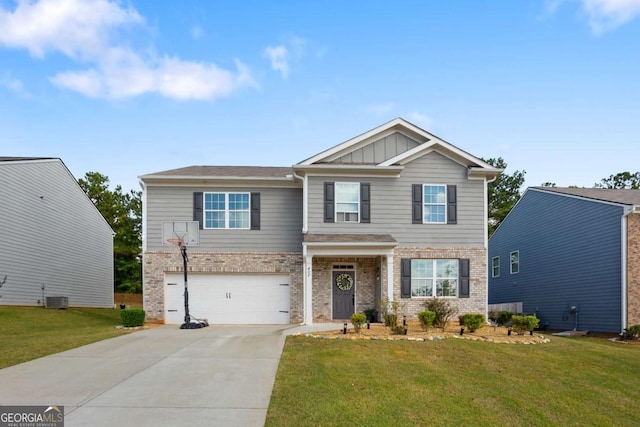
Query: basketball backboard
(187, 231)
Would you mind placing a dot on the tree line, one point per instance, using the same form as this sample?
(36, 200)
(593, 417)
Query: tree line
(123, 212)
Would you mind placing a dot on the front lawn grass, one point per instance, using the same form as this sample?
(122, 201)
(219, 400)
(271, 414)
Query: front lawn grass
(28, 333)
(567, 382)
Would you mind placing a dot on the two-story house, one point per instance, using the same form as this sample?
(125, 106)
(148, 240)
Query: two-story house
(393, 213)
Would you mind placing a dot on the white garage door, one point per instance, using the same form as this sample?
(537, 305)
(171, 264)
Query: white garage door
(228, 299)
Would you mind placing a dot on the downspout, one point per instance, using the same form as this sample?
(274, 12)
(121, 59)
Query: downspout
(144, 235)
(144, 215)
(305, 201)
(304, 248)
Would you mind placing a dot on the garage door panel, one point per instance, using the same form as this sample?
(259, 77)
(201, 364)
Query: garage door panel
(229, 299)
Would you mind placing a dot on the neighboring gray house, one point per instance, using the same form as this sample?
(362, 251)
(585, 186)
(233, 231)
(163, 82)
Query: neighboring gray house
(53, 240)
(395, 212)
(572, 256)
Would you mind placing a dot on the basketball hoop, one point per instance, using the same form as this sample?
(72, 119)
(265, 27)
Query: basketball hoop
(179, 242)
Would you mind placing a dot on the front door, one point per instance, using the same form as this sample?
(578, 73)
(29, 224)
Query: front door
(344, 286)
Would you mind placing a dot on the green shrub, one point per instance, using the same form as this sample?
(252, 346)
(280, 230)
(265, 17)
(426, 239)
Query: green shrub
(426, 319)
(522, 324)
(504, 317)
(472, 321)
(389, 312)
(632, 332)
(358, 319)
(132, 317)
(443, 310)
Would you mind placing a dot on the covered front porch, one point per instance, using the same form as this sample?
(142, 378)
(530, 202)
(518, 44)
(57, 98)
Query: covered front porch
(346, 274)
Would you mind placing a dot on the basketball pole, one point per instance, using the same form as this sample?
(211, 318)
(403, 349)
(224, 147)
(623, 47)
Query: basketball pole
(188, 324)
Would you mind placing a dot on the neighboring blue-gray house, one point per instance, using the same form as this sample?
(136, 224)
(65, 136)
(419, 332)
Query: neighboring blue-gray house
(395, 213)
(572, 256)
(53, 240)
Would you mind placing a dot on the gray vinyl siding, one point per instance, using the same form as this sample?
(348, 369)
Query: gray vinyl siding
(51, 235)
(570, 254)
(391, 206)
(380, 150)
(280, 219)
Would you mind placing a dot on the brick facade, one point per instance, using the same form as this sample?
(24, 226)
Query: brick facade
(478, 285)
(370, 278)
(371, 281)
(156, 264)
(633, 269)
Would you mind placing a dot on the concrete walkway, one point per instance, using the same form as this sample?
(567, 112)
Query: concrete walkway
(164, 376)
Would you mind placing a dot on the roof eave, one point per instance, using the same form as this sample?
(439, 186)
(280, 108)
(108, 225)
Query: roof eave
(230, 181)
(349, 169)
(484, 173)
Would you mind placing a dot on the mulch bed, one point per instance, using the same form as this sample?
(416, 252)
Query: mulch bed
(415, 332)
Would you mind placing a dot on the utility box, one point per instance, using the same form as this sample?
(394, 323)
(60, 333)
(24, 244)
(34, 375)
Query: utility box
(56, 302)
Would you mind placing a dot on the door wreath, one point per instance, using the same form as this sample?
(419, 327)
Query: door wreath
(344, 282)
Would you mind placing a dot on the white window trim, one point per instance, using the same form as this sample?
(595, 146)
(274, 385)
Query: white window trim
(226, 210)
(434, 204)
(338, 202)
(435, 279)
(511, 262)
(493, 270)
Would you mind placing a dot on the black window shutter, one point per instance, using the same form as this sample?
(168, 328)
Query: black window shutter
(329, 202)
(197, 209)
(365, 202)
(405, 278)
(255, 211)
(452, 209)
(416, 198)
(463, 271)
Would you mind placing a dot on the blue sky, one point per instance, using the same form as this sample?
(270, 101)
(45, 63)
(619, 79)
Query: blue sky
(134, 87)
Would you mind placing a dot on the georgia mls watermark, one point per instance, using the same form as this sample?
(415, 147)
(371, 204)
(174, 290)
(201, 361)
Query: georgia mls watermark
(32, 416)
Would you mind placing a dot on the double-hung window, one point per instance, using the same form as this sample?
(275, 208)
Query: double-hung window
(514, 259)
(226, 210)
(434, 204)
(434, 277)
(347, 201)
(495, 266)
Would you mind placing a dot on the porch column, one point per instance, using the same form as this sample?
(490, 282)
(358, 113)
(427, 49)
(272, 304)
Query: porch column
(308, 290)
(390, 276)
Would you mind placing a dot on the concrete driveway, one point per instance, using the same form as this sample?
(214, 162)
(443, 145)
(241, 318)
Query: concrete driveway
(164, 376)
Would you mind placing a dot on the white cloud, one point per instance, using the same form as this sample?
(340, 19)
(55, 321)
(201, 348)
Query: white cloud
(279, 57)
(13, 84)
(283, 56)
(87, 31)
(603, 15)
(76, 28)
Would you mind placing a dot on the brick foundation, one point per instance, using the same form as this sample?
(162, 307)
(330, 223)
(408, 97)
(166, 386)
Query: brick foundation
(156, 264)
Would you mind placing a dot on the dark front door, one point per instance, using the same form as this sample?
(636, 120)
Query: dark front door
(344, 287)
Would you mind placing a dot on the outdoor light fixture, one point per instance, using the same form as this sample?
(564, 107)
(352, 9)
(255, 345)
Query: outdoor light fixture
(404, 320)
(344, 330)
(461, 331)
(509, 332)
(368, 324)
